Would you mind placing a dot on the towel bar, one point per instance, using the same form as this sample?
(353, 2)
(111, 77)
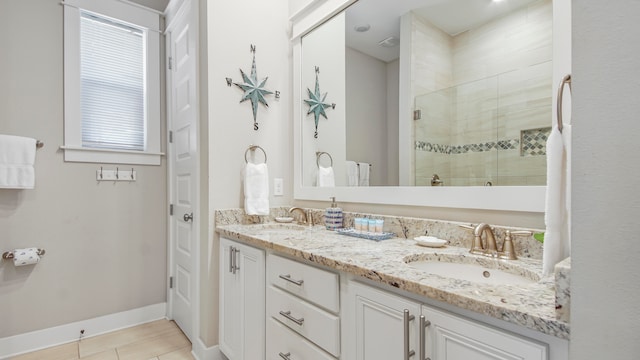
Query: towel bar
(253, 148)
(319, 154)
(9, 254)
(39, 144)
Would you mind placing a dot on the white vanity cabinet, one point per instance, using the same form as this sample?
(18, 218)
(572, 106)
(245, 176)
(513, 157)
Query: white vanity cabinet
(450, 337)
(302, 311)
(383, 325)
(242, 301)
(377, 327)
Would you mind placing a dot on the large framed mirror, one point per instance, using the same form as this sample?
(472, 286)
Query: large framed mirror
(439, 103)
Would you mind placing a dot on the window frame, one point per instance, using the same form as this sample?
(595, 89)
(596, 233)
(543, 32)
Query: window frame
(136, 16)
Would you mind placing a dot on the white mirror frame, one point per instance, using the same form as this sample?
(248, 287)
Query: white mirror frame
(504, 198)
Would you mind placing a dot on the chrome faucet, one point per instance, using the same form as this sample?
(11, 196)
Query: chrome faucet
(306, 216)
(490, 247)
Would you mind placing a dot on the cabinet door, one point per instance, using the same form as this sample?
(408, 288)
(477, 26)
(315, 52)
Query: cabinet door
(449, 337)
(242, 301)
(376, 330)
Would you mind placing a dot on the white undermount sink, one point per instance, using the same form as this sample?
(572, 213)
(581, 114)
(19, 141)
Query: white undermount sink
(458, 267)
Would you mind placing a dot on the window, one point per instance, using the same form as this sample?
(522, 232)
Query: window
(112, 83)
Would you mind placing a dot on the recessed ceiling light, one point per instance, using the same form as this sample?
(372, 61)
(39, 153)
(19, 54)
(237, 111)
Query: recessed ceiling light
(362, 28)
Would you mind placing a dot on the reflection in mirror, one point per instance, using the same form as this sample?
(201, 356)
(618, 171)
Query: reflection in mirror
(477, 84)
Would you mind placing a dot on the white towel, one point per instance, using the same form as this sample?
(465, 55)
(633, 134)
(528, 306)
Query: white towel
(256, 189)
(352, 173)
(17, 156)
(557, 245)
(326, 178)
(363, 174)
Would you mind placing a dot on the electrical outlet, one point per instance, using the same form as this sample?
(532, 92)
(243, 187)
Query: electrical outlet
(278, 187)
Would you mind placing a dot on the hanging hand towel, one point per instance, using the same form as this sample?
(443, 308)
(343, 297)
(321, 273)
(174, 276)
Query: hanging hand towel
(556, 238)
(352, 173)
(17, 156)
(363, 174)
(256, 189)
(326, 177)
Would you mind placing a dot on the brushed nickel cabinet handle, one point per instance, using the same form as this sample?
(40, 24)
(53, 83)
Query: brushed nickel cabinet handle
(407, 318)
(289, 279)
(285, 356)
(287, 314)
(424, 323)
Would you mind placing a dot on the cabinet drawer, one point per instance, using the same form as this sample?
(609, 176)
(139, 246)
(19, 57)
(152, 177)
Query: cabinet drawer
(281, 340)
(319, 326)
(318, 286)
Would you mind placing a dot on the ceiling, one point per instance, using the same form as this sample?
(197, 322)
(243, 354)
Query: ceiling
(159, 5)
(451, 16)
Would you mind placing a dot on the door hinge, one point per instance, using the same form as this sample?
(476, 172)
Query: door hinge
(170, 209)
(170, 282)
(417, 114)
(170, 63)
(170, 137)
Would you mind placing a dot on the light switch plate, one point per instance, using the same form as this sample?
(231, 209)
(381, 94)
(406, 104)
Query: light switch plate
(278, 187)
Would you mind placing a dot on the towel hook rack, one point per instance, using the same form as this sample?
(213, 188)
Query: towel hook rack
(319, 154)
(565, 80)
(8, 255)
(253, 148)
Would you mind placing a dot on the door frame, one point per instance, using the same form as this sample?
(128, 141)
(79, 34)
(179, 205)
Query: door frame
(174, 10)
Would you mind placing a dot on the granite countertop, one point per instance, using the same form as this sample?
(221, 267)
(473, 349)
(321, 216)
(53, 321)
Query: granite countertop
(531, 306)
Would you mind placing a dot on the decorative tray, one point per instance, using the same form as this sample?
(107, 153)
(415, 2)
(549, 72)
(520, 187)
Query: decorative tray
(366, 234)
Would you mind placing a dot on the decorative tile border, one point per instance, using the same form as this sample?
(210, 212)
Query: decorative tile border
(531, 143)
(534, 141)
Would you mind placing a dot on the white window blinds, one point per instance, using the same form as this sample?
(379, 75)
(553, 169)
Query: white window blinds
(112, 75)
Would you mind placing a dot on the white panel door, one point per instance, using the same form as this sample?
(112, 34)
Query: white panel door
(242, 301)
(183, 164)
(379, 324)
(449, 337)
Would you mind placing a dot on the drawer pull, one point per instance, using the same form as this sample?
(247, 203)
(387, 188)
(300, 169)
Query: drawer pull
(289, 279)
(285, 356)
(288, 316)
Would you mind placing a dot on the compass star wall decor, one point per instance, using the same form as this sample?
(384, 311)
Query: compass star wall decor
(316, 103)
(254, 90)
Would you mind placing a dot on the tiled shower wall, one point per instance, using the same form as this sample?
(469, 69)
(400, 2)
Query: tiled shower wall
(486, 101)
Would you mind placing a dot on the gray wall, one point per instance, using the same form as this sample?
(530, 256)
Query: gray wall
(231, 27)
(105, 242)
(605, 305)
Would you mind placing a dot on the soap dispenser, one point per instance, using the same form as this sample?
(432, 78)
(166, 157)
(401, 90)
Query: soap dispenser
(333, 216)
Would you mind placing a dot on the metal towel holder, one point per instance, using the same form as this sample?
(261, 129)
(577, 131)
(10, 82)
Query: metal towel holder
(8, 255)
(565, 80)
(253, 148)
(319, 154)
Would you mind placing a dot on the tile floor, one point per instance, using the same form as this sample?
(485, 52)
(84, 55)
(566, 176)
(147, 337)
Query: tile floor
(157, 340)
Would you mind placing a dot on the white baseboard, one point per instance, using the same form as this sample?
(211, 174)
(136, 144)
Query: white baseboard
(40, 339)
(201, 352)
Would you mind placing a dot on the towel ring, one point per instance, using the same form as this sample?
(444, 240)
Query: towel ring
(253, 148)
(565, 80)
(319, 154)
